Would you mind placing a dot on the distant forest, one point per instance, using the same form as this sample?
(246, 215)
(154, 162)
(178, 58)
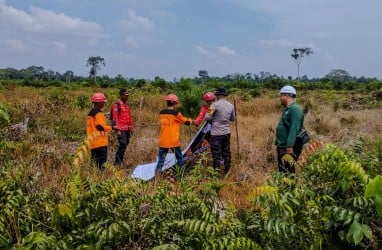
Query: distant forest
(337, 79)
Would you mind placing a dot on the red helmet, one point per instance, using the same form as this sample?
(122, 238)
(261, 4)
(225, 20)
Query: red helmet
(209, 96)
(98, 97)
(173, 98)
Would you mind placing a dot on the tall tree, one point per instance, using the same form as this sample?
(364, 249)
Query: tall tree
(68, 75)
(298, 54)
(338, 75)
(95, 63)
(203, 75)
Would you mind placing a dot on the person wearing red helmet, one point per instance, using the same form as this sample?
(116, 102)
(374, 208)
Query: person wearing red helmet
(170, 120)
(209, 98)
(122, 119)
(96, 131)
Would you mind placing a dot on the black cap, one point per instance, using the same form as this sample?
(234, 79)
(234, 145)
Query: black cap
(221, 91)
(123, 92)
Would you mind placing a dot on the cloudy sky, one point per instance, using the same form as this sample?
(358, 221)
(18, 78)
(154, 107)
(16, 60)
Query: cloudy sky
(177, 38)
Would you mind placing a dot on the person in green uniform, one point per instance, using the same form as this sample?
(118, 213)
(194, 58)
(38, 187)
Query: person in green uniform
(291, 121)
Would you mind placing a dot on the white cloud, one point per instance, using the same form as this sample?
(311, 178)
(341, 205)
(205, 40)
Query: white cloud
(138, 22)
(39, 20)
(205, 52)
(260, 33)
(226, 51)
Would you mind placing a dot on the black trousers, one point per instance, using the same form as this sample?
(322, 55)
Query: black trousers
(281, 151)
(99, 156)
(221, 150)
(123, 141)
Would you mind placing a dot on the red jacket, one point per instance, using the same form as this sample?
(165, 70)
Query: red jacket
(122, 115)
(202, 113)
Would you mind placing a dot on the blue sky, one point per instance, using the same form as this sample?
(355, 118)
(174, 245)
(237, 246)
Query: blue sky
(177, 38)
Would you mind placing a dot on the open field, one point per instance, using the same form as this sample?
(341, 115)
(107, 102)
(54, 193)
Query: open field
(57, 126)
(52, 198)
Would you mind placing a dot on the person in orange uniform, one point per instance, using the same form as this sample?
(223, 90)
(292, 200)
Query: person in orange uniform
(209, 98)
(97, 131)
(170, 121)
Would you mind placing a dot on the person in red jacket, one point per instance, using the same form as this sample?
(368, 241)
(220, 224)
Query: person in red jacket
(96, 130)
(209, 98)
(170, 120)
(123, 122)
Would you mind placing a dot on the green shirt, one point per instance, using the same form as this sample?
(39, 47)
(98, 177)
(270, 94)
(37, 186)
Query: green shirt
(291, 121)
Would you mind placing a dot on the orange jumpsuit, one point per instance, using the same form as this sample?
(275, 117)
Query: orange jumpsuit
(97, 129)
(170, 121)
(97, 132)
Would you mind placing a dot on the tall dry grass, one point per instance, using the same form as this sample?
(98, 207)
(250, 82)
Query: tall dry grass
(57, 127)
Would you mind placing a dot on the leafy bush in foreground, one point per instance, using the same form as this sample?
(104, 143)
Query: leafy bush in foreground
(332, 203)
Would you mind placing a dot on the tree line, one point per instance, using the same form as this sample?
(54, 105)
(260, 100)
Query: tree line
(38, 76)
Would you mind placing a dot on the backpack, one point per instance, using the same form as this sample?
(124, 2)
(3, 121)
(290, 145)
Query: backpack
(303, 136)
(112, 120)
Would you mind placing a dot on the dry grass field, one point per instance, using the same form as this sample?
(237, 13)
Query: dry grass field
(57, 126)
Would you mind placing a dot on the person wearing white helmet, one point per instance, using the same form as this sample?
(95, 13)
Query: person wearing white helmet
(291, 121)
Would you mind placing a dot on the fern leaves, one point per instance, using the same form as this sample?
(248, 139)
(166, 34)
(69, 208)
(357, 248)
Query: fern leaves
(374, 190)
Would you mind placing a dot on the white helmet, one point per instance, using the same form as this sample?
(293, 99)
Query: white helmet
(288, 90)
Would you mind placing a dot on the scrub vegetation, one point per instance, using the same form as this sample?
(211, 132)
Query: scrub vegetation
(52, 198)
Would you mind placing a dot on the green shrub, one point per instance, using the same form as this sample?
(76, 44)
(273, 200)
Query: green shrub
(4, 116)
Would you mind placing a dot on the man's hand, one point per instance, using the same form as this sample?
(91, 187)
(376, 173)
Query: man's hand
(289, 150)
(210, 110)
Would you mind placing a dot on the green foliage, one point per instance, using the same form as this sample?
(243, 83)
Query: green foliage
(190, 100)
(56, 98)
(166, 247)
(70, 127)
(39, 240)
(369, 154)
(331, 204)
(374, 190)
(324, 207)
(82, 101)
(357, 231)
(4, 116)
(255, 92)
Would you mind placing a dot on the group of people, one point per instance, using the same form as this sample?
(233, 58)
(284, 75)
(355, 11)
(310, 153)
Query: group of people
(218, 111)
(97, 129)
